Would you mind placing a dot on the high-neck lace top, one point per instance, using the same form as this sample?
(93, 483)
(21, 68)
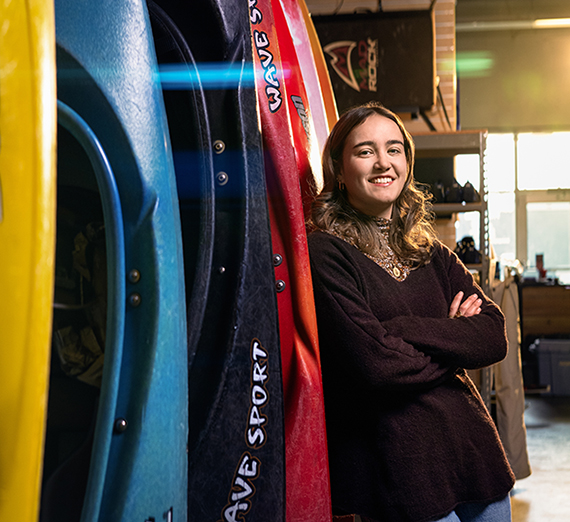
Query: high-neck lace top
(386, 258)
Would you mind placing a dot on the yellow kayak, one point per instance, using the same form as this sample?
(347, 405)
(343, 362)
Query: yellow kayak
(27, 245)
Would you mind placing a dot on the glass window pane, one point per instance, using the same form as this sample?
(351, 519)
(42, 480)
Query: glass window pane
(467, 168)
(500, 162)
(543, 161)
(548, 233)
(501, 208)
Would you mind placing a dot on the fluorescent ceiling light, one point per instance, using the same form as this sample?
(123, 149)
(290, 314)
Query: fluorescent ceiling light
(552, 22)
(545, 23)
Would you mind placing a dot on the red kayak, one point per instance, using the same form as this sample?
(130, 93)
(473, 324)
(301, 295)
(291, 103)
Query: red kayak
(292, 173)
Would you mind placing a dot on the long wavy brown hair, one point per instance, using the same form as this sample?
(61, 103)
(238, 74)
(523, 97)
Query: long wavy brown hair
(411, 234)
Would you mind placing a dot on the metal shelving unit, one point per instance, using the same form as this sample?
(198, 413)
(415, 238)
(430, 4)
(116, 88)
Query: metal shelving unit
(450, 144)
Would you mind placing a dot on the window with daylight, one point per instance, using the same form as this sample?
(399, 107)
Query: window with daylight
(528, 196)
(542, 160)
(548, 234)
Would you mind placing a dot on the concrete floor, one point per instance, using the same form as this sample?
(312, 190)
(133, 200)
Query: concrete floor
(545, 495)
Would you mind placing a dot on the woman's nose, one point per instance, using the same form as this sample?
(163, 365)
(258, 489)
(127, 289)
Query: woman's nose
(382, 161)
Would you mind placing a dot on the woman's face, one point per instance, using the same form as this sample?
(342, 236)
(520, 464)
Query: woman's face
(374, 166)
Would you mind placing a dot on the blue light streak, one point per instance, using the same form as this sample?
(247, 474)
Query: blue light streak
(206, 76)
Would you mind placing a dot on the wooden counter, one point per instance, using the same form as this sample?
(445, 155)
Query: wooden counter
(545, 310)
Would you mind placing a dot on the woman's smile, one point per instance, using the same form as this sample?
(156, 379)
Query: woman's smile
(381, 181)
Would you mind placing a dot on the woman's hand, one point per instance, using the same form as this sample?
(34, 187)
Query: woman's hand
(471, 306)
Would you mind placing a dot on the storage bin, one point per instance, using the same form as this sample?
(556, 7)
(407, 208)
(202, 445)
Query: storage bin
(554, 364)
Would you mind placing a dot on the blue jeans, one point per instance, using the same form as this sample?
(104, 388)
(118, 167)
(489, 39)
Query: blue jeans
(499, 511)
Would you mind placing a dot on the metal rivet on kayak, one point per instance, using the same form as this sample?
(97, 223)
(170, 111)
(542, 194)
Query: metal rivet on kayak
(121, 425)
(222, 178)
(219, 146)
(134, 276)
(277, 260)
(280, 285)
(135, 299)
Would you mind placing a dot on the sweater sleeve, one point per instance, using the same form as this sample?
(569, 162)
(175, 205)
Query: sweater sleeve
(353, 338)
(469, 342)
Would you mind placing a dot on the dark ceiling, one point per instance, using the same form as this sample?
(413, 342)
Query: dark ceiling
(510, 10)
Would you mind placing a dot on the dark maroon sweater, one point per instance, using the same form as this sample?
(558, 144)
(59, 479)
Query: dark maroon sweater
(409, 436)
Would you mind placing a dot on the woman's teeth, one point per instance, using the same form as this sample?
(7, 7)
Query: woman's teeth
(380, 181)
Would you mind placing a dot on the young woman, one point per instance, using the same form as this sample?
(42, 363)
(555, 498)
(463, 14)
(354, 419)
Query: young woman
(400, 319)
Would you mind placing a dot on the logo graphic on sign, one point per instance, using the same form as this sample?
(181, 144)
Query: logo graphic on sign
(362, 76)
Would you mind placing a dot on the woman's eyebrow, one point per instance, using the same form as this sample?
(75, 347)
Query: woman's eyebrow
(370, 143)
